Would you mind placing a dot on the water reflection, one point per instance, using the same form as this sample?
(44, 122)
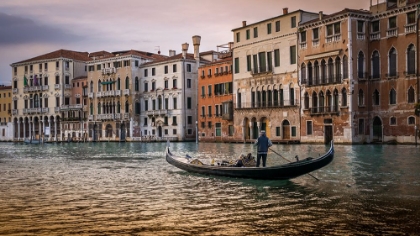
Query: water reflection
(128, 188)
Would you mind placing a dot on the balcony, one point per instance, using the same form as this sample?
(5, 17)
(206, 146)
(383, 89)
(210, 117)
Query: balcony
(99, 94)
(392, 75)
(57, 86)
(90, 95)
(392, 32)
(156, 112)
(324, 110)
(45, 87)
(110, 70)
(261, 70)
(333, 79)
(118, 93)
(333, 38)
(105, 117)
(71, 107)
(126, 92)
(14, 112)
(32, 89)
(15, 91)
(67, 86)
(268, 105)
(360, 36)
(126, 116)
(56, 109)
(90, 117)
(375, 36)
(315, 43)
(303, 45)
(110, 93)
(411, 28)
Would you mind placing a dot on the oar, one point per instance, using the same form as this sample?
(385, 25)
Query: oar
(290, 161)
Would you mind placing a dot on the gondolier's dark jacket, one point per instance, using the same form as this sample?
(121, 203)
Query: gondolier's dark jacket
(263, 144)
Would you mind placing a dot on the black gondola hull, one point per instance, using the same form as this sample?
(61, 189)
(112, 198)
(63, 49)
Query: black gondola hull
(287, 171)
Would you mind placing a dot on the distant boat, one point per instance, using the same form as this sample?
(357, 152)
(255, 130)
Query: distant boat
(286, 171)
(32, 141)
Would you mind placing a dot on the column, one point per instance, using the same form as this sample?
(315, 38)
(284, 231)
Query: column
(24, 129)
(30, 128)
(251, 130)
(55, 128)
(259, 126)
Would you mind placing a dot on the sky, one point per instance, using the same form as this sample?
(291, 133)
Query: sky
(31, 28)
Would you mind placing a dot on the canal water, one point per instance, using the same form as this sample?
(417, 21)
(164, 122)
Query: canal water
(129, 189)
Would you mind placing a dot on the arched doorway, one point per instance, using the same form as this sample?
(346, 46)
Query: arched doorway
(160, 131)
(108, 130)
(254, 128)
(94, 131)
(122, 132)
(264, 126)
(377, 129)
(247, 129)
(286, 129)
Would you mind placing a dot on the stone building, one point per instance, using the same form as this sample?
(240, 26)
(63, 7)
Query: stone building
(113, 81)
(40, 87)
(265, 80)
(327, 75)
(168, 98)
(215, 99)
(6, 125)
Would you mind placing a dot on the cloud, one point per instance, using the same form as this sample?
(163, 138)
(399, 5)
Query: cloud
(18, 30)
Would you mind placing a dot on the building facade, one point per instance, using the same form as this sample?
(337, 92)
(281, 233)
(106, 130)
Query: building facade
(40, 87)
(215, 100)
(169, 95)
(265, 79)
(6, 125)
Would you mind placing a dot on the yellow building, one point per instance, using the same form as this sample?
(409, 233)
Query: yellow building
(6, 128)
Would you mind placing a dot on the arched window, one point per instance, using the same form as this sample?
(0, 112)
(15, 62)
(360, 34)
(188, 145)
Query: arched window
(91, 86)
(119, 84)
(316, 73)
(276, 97)
(411, 120)
(99, 86)
(118, 107)
(310, 74)
(361, 65)
(392, 63)
(335, 105)
(375, 65)
(303, 74)
(292, 95)
(323, 72)
(411, 95)
(136, 84)
(393, 121)
(344, 97)
(376, 97)
(126, 107)
(361, 97)
(314, 103)
(328, 101)
(321, 102)
(411, 60)
(392, 97)
(36, 101)
(99, 108)
(91, 108)
(345, 67)
(127, 82)
(337, 70)
(330, 70)
(306, 100)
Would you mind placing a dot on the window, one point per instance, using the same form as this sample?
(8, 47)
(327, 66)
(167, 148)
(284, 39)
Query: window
(392, 97)
(188, 67)
(203, 125)
(203, 93)
(293, 55)
(248, 63)
(306, 101)
(189, 120)
(303, 37)
(231, 130)
(293, 22)
(361, 126)
(411, 97)
(276, 57)
(188, 83)
(146, 87)
(174, 84)
(136, 84)
(345, 67)
(218, 129)
(209, 90)
(189, 103)
(209, 111)
(361, 98)
(203, 111)
(333, 29)
(375, 26)
(392, 22)
(411, 17)
(411, 60)
(375, 65)
(393, 121)
(255, 32)
(269, 28)
(175, 103)
(153, 71)
(174, 120)
(166, 69)
(174, 131)
(411, 120)
(376, 98)
(278, 131)
(315, 34)
(309, 127)
(153, 86)
(146, 105)
(248, 34)
(174, 68)
(392, 62)
(277, 26)
(361, 65)
(166, 103)
(360, 26)
(145, 72)
(209, 124)
(166, 84)
(294, 131)
(236, 65)
(238, 37)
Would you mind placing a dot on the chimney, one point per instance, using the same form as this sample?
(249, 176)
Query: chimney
(196, 42)
(230, 46)
(244, 23)
(321, 15)
(172, 53)
(285, 11)
(184, 50)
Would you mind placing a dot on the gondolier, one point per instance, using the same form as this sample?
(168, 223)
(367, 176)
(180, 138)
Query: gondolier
(262, 143)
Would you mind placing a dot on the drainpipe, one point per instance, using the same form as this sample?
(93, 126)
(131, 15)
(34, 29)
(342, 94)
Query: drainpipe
(350, 61)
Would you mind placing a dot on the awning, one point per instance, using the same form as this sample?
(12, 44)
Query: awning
(107, 82)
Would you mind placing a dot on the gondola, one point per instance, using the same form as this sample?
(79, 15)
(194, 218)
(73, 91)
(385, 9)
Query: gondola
(281, 172)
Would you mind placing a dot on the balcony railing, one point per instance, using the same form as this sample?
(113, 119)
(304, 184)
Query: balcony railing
(411, 28)
(15, 90)
(268, 104)
(99, 94)
(126, 92)
(375, 36)
(324, 110)
(392, 32)
(90, 95)
(14, 112)
(110, 70)
(90, 117)
(333, 79)
(126, 116)
(333, 38)
(303, 45)
(361, 36)
(67, 86)
(117, 92)
(56, 109)
(32, 89)
(57, 86)
(392, 75)
(35, 110)
(315, 42)
(71, 107)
